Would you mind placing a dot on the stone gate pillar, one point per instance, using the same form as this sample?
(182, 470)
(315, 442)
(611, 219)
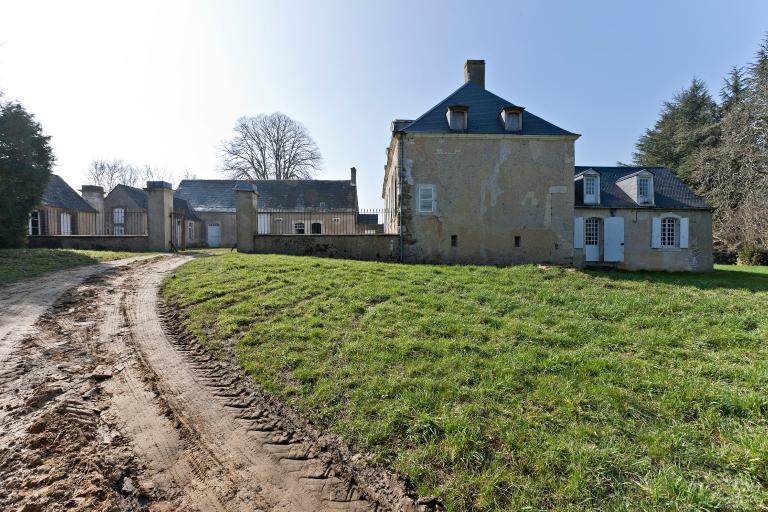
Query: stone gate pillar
(247, 218)
(159, 215)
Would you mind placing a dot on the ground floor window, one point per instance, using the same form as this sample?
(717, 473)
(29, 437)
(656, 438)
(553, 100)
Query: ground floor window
(190, 230)
(668, 232)
(316, 228)
(298, 228)
(34, 223)
(118, 221)
(592, 231)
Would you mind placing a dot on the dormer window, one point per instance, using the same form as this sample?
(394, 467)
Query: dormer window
(512, 118)
(644, 190)
(457, 117)
(591, 188)
(639, 187)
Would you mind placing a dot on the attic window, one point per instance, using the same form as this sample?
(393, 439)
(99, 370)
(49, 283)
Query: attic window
(457, 117)
(512, 118)
(644, 190)
(592, 188)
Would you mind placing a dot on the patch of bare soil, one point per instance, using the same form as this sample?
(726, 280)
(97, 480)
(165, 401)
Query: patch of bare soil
(106, 407)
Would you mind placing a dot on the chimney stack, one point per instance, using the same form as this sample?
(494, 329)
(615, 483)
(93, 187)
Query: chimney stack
(353, 176)
(474, 71)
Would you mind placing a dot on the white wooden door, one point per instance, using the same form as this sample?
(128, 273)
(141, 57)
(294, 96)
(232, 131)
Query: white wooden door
(264, 223)
(592, 239)
(66, 224)
(214, 235)
(614, 239)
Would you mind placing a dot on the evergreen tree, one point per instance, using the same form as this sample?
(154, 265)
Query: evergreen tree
(26, 160)
(733, 175)
(687, 123)
(734, 88)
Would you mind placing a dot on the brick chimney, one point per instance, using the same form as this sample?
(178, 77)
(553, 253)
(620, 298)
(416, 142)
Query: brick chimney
(474, 71)
(353, 177)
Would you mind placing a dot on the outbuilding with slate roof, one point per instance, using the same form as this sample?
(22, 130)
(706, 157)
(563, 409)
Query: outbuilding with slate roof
(62, 212)
(284, 207)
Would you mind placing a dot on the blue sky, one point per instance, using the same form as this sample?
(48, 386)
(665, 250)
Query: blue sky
(163, 82)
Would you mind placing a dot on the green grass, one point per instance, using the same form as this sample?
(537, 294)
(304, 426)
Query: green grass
(513, 388)
(16, 264)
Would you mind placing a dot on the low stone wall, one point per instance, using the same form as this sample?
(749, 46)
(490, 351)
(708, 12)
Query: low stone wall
(355, 247)
(132, 243)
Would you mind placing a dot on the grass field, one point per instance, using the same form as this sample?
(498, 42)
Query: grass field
(18, 264)
(512, 388)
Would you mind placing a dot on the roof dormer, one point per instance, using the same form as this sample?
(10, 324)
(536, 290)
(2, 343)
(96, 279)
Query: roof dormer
(512, 119)
(458, 117)
(590, 186)
(639, 187)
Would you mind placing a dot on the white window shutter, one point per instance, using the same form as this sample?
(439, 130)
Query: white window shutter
(656, 233)
(578, 233)
(684, 233)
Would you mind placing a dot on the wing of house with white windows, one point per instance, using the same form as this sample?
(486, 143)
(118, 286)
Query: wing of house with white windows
(479, 179)
(640, 218)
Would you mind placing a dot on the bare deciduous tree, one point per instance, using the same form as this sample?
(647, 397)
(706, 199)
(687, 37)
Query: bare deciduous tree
(109, 173)
(270, 146)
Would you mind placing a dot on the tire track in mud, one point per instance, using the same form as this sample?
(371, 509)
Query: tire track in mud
(111, 405)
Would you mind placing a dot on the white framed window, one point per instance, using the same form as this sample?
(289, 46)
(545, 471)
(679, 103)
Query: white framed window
(592, 231)
(644, 190)
(336, 219)
(190, 230)
(669, 232)
(591, 189)
(298, 228)
(512, 119)
(427, 198)
(278, 219)
(34, 223)
(118, 221)
(66, 224)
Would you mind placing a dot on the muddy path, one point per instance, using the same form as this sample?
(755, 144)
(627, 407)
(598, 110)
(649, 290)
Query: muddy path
(107, 404)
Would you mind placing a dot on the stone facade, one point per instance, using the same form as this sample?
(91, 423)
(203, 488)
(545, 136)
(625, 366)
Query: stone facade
(499, 199)
(639, 253)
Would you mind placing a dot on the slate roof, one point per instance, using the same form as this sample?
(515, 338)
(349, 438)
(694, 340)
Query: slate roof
(139, 196)
(60, 195)
(219, 195)
(669, 192)
(484, 110)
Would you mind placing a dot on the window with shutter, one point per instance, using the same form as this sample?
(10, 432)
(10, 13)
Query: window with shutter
(426, 198)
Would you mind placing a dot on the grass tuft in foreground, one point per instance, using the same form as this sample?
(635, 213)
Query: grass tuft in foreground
(512, 388)
(16, 264)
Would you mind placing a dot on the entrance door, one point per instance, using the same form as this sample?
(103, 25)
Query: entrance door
(264, 223)
(614, 239)
(592, 239)
(214, 235)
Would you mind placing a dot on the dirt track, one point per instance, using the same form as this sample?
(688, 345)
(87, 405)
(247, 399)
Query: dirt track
(106, 404)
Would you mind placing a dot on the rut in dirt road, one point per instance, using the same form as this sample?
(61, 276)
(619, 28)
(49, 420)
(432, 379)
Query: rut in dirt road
(191, 431)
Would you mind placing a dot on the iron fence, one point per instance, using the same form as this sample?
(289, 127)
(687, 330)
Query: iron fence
(48, 221)
(323, 222)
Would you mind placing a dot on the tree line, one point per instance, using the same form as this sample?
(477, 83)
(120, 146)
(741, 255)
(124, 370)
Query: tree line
(720, 150)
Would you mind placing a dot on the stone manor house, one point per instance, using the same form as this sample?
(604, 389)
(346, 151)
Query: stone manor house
(479, 179)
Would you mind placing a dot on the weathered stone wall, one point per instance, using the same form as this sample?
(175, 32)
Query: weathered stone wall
(638, 253)
(356, 247)
(489, 190)
(132, 243)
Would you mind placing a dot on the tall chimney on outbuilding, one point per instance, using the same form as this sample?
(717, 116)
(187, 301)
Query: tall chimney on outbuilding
(474, 71)
(353, 177)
